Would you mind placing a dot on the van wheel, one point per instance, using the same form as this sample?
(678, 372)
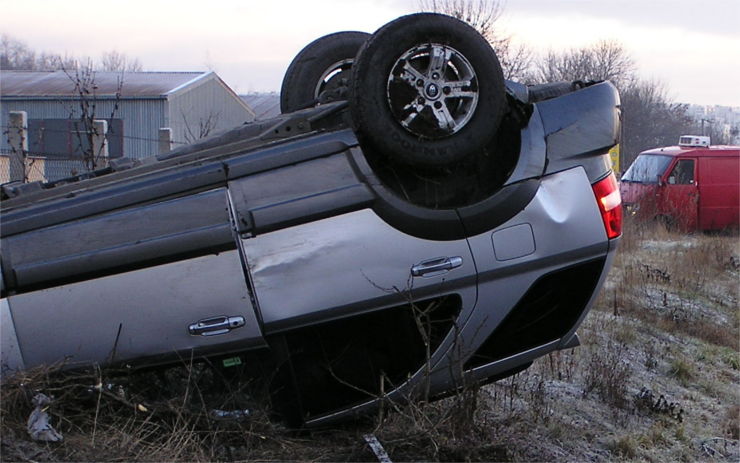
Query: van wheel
(427, 90)
(320, 73)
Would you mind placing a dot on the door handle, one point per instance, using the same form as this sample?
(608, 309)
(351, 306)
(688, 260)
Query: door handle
(215, 325)
(436, 266)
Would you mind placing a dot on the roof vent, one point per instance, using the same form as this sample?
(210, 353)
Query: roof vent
(693, 140)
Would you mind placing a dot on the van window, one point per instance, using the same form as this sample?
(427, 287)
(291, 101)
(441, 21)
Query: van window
(682, 173)
(647, 168)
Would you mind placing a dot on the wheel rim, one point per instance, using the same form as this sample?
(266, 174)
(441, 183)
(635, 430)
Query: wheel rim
(332, 77)
(432, 90)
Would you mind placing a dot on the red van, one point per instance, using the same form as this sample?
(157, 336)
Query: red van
(692, 186)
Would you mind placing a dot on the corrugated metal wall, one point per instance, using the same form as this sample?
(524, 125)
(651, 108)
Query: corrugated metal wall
(142, 119)
(206, 100)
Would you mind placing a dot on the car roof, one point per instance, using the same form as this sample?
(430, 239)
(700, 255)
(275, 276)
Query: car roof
(696, 151)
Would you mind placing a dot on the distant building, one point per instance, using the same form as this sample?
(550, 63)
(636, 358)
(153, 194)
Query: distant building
(135, 104)
(724, 120)
(265, 105)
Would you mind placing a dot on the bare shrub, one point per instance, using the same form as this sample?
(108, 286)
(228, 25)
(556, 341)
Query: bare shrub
(142, 416)
(625, 446)
(731, 422)
(607, 373)
(562, 364)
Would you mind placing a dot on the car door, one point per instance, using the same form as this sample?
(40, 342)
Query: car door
(316, 250)
(194, 299)
(349, 264)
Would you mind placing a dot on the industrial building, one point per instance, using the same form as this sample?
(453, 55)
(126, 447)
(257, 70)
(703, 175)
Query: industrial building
(136, 105)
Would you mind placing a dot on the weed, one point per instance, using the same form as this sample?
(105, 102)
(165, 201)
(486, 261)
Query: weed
(607, 373)
(680, 434)
(682, 370)
(625, 333)
(651, 355)
(656, 435)
(732, 360)
(562, 364)
(625, 447)
(731, 422)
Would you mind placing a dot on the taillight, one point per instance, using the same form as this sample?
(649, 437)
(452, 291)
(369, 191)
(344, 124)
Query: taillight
(610, 205)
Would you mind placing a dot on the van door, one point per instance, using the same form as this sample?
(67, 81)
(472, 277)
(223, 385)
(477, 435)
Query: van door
(681, 195)
(719, 206)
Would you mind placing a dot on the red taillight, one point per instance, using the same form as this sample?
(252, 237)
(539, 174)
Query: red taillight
(610, 205)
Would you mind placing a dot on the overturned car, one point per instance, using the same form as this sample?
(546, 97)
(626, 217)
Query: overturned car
(412, 223)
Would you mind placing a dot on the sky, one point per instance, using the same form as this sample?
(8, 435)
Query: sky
(691, 46)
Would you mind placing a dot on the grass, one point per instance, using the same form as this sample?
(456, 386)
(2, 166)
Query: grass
(663, 338)
(683, 370)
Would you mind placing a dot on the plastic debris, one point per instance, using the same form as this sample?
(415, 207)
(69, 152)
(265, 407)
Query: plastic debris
(236, 415)
(377, 448)
(39, 426)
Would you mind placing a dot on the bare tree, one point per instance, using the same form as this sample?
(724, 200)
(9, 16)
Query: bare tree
(649, 118)
(516, 59)
(205, 126)
(481, 14)
(605, 60)
(16, 55)
(82, 76)
(116, 61)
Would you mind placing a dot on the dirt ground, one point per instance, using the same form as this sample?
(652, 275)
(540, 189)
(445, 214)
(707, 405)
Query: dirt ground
(655, 379)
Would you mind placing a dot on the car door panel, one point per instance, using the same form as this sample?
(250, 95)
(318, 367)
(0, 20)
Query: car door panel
(348, 264)
(138, 314)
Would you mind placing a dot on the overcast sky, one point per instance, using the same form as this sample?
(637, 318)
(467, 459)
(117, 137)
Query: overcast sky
(691, 45)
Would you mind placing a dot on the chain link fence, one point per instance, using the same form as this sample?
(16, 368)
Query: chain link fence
(43, 168)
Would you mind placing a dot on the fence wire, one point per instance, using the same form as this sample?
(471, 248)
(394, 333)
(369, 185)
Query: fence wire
(43, 168)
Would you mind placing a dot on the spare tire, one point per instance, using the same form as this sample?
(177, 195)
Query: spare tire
(427, 90)
(323, 67)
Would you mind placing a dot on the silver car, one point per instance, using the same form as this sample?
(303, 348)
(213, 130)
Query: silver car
(411, 224)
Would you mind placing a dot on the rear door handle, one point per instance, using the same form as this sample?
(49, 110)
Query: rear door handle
(436, 266)
(215, 325)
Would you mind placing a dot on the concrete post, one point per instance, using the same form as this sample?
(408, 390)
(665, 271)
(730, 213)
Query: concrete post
(100, 142)
(165, 140)
(18, 141)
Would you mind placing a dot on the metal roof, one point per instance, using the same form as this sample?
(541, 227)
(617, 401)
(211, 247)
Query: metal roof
(61, 84)
(697, 151)
(265, 105)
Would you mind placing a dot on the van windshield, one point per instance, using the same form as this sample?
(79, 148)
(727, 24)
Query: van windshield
(646, 168)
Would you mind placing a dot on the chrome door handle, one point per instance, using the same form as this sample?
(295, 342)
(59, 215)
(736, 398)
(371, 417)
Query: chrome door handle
(436, 266)
(215, 325)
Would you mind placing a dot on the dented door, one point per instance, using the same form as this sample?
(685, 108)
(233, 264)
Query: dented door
(348, 264)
